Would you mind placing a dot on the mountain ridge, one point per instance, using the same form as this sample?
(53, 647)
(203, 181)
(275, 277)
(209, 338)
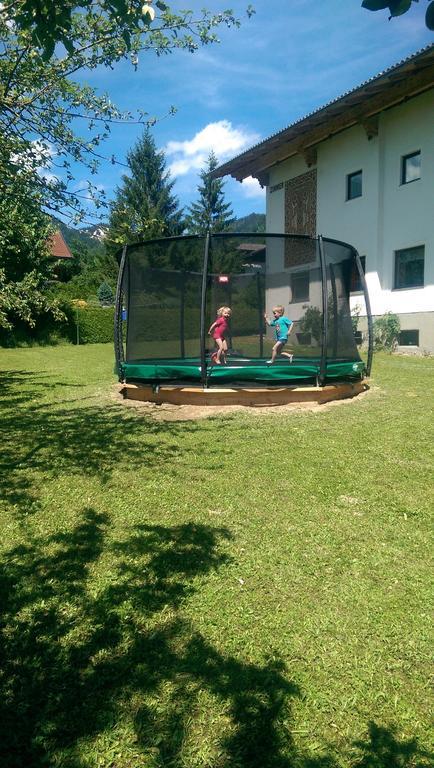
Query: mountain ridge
(93, 235)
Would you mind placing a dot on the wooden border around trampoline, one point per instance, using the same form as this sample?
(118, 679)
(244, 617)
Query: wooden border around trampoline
(249, 396)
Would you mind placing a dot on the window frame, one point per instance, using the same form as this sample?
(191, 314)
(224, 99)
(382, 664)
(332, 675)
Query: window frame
(408, 330)
(396, 271)
(404, 158)
(304, 338)
(350, 176)
(356, 277)
(301, 272)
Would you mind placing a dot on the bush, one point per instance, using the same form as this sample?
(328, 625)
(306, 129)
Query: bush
(105, 295)
(95, 324)
(311, 322)
(23, 336)
(386, 332)
(47, 331)
(355, 317)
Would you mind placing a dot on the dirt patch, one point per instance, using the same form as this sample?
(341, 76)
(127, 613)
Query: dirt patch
(170, 412)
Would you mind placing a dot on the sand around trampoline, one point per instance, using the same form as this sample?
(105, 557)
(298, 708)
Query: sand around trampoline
(171, 412)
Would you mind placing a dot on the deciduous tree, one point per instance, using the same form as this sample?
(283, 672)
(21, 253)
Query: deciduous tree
(41, 106)
(43, 44)
(26, 266)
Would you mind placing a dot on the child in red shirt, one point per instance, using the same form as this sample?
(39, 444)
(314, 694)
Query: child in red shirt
(218, 331)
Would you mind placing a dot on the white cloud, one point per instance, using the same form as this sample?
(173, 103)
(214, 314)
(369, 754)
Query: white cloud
(221, 137)
(49, 178)
(9, 23)
(252, 188)
(43, 151)
(37, 156)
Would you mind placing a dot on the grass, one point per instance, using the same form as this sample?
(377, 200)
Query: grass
(238, 592)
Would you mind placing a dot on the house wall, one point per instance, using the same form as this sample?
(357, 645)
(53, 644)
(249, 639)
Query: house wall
(387, 217)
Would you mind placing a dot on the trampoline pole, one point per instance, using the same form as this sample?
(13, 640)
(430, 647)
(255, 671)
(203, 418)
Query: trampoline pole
(261, 315)
(323, 363)
(182, 315)
(203, 372)
(335, 311)
(230, 324)
(118, 341)
(368, 313)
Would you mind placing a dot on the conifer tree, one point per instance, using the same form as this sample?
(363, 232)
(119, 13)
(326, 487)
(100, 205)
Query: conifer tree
(144, 206)
(210, 212)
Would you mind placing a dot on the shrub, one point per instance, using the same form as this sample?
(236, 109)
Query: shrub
(105, 295)
(95, 324)
(47, 331)
(355, 316)
(386, 331)
(311, 322)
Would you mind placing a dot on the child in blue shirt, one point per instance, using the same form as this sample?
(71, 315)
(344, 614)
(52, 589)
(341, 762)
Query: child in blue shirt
(282, 328)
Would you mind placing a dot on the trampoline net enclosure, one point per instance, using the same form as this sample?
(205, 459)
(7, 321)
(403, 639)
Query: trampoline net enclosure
(170, 289)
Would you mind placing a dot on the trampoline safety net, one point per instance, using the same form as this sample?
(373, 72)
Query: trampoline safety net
(170, 291)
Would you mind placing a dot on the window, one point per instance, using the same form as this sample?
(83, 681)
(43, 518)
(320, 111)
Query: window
(305, 339)
(408, 339)
(410, 168)
(354, 185)
(356, 283)
(409, 267)
(300, 286)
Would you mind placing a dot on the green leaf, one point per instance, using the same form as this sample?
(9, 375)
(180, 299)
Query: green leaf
(48, 50)
(121, 7)
(429, 16)
(375, 5)
(127, 38)
(67, 42)
(398, 7)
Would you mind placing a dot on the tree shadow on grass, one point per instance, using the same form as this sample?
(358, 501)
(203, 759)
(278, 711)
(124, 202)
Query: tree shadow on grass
(87, 647)
(73, 438)
(383, 749)
(86, 656)
(77, 652)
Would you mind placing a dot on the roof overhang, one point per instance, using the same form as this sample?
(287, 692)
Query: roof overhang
(361, 106)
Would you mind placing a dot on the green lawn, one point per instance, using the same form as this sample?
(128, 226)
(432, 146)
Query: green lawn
(236, 592)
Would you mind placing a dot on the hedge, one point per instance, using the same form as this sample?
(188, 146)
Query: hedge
(95, 325)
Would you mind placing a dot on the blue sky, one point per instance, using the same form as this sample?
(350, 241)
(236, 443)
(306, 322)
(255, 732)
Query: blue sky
(289, 59)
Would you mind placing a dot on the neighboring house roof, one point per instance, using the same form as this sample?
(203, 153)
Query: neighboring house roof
(58, 246)
(255, 251)
(251, 247)
(361, 105)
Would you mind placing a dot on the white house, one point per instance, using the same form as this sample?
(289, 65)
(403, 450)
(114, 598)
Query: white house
(361, 170)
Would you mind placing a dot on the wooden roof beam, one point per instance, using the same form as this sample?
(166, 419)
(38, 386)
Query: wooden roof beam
(370, 124)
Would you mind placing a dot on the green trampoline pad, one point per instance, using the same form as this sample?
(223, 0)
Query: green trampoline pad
(281, 372)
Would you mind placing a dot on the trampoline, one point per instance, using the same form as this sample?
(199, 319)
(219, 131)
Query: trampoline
(169, 291)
